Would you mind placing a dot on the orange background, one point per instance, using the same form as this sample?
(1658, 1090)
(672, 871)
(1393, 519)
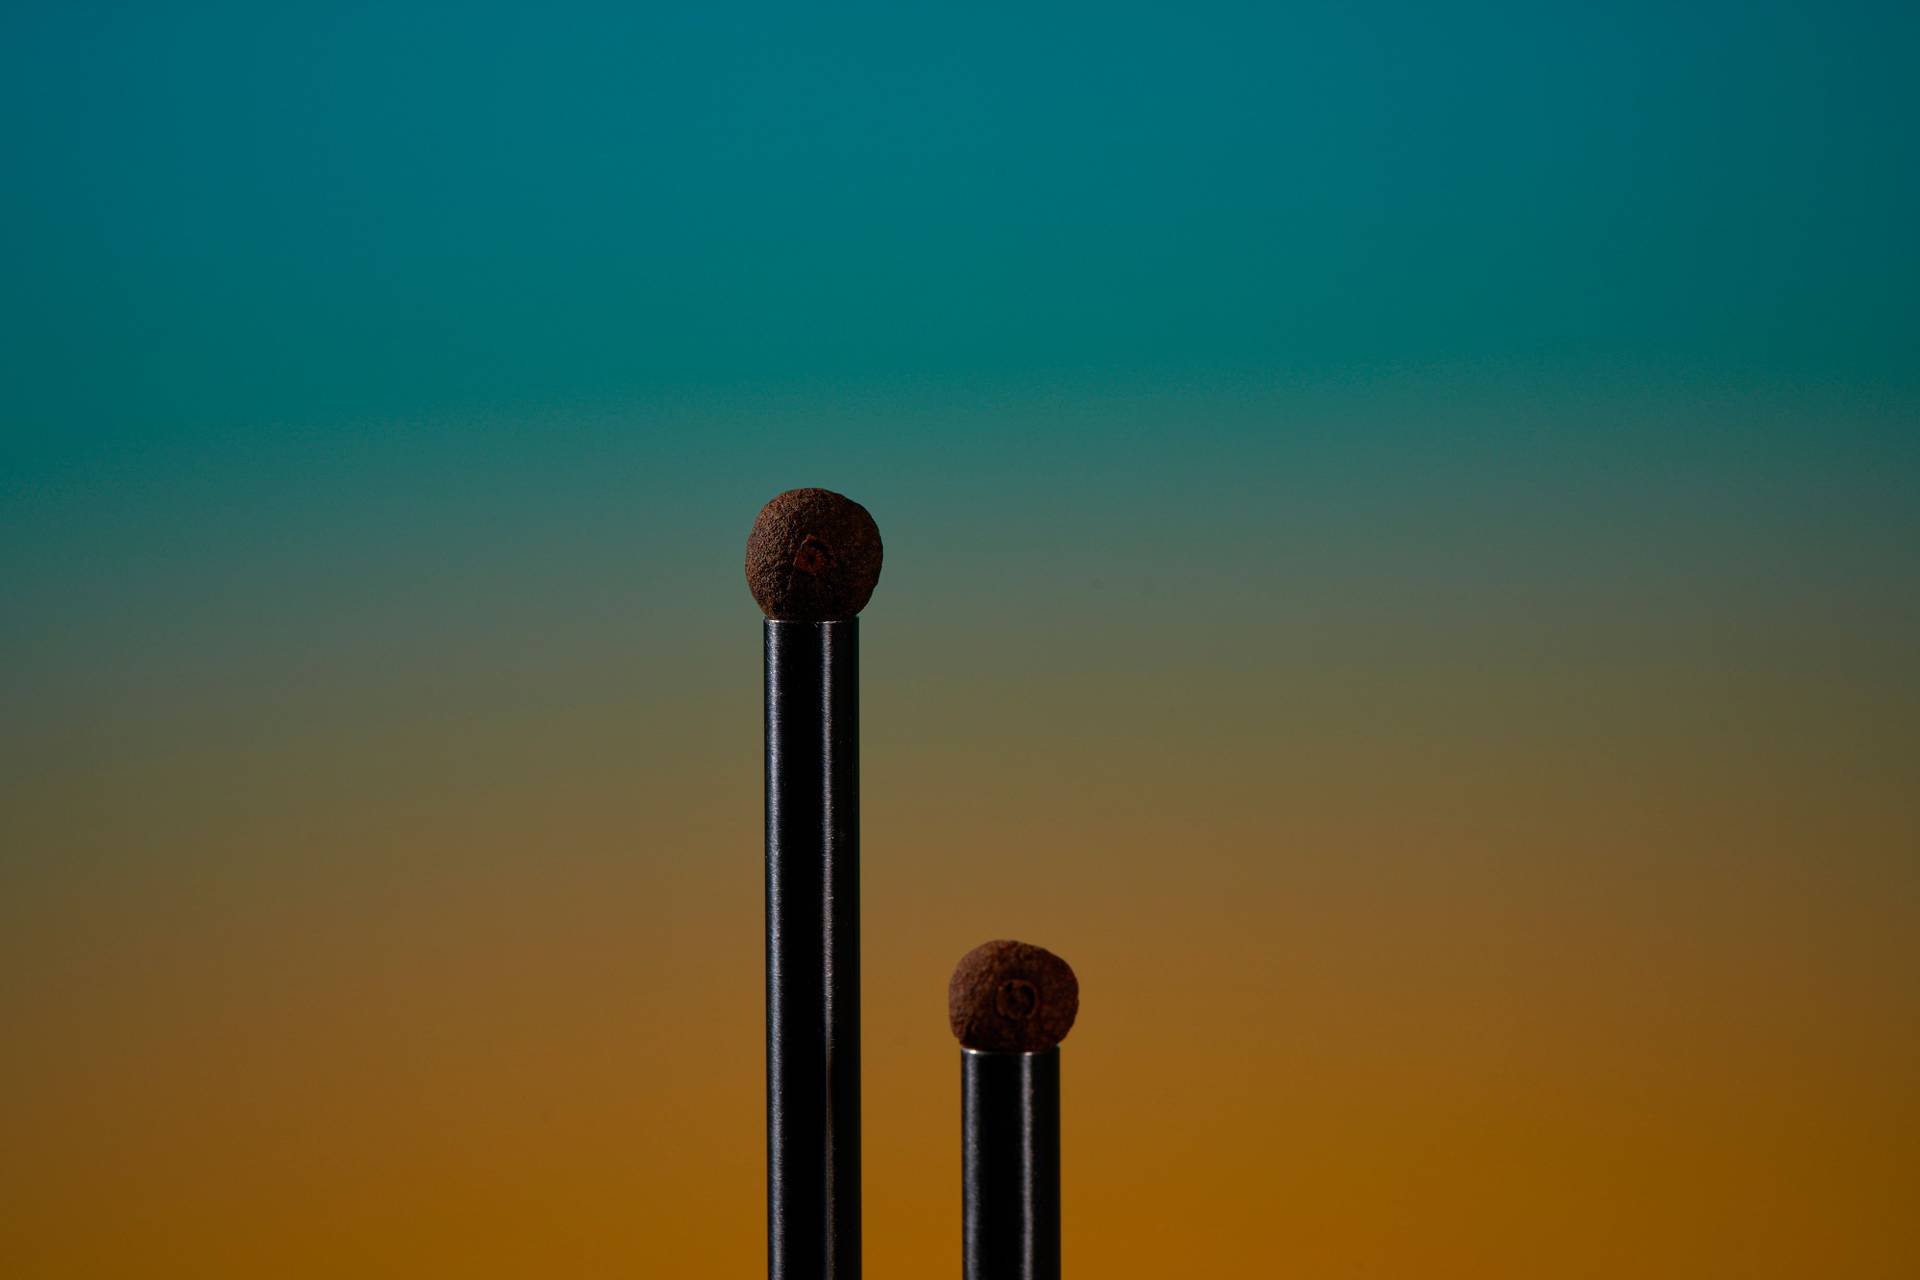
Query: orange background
(1447, 899)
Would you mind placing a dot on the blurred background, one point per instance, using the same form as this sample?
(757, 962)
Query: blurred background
(1403, 564)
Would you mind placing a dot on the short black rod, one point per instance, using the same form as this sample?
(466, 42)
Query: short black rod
(1010, 1166)
(813, 950)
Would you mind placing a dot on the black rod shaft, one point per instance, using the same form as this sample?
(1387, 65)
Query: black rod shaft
(1010, 1172)
(813, 950)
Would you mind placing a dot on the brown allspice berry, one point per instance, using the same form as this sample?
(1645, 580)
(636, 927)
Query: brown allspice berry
(1012, 997)
(813, 556)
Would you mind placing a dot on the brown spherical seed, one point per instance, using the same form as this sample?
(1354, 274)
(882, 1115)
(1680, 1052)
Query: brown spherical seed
(1012, 997)
(813, 556)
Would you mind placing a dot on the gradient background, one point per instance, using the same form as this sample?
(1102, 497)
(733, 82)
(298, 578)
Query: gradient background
(1403, 525)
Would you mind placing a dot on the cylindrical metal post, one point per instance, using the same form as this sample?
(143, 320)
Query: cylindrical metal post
(1010, 1172)
(813, 950)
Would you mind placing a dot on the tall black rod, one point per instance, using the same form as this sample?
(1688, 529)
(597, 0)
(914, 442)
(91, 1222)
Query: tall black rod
(813, 950)
(1010, 1169)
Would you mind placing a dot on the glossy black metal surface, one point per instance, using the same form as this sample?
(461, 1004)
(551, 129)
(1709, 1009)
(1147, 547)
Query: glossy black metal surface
(813, 950)
(1010, 1169)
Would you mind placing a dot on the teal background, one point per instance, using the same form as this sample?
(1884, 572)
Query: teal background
(229, 214)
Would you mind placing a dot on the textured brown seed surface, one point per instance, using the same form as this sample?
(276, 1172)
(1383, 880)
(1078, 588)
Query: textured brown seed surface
(1013, 997)
(813, 556)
